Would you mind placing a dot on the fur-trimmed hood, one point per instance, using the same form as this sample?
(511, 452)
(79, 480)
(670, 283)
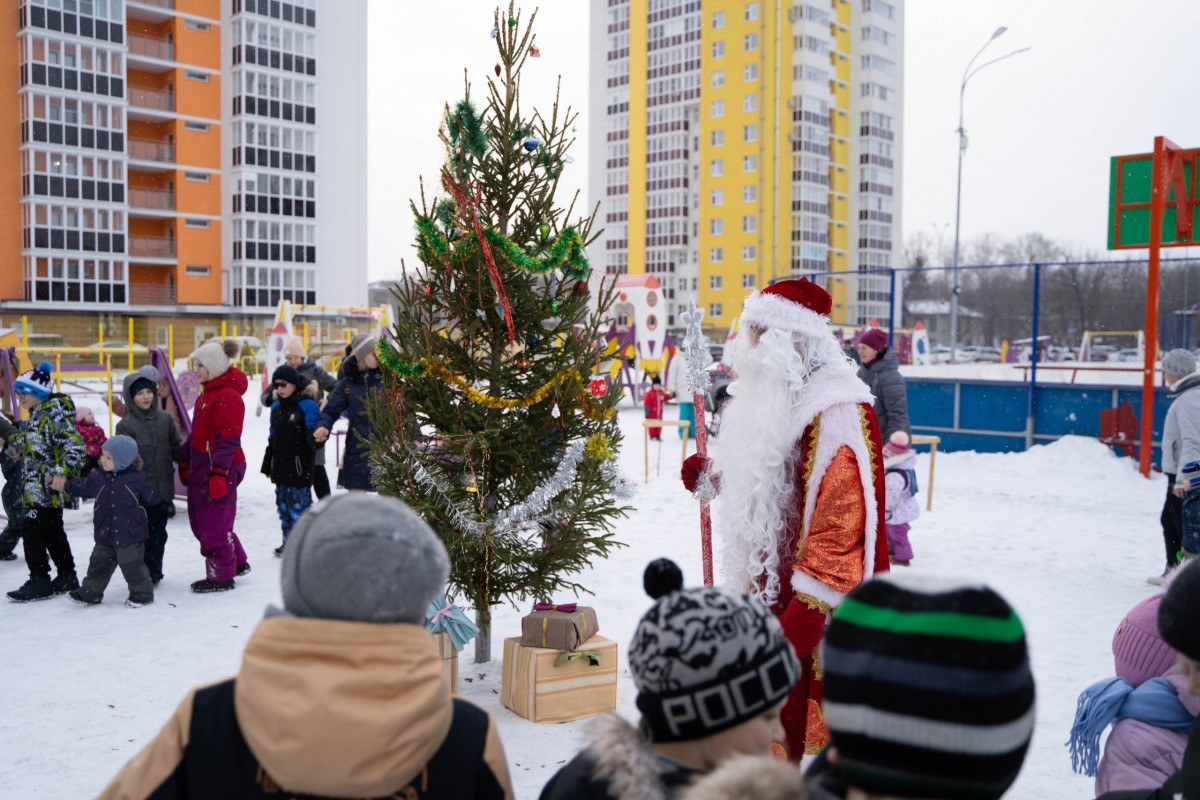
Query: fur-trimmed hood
(755, 777)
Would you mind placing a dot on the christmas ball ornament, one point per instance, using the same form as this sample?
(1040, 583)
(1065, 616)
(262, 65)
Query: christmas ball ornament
(497, 70)
(512, 22)
(598, 388)
(534, 52)
(530, 144)
(533, 340)
(428, 289)
(523, 363)
(544, 230)
(581, 287)
(495, 32)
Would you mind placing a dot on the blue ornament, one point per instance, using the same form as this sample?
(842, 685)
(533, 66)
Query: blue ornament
(495, 32)
(530, 144)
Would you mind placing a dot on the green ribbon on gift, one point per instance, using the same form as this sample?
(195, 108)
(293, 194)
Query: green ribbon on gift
(567, 656)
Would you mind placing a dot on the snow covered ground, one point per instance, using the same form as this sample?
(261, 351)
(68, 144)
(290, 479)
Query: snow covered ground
(1066, 532)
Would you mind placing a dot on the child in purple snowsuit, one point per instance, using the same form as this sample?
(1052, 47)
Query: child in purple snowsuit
(1147, 705)
(900, 489)
(122, 493)
(215, 464)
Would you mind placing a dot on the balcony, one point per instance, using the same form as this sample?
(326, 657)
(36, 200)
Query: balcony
(151, 199)
(141, 295)
(153, 11)
(151, 150)
(150, 104)
(151, 47)
(151, 247)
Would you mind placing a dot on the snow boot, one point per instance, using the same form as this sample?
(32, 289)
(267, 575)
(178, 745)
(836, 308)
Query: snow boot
(10, 556)
(206, 586)
(279, 550)
(139, 599)
(84, 597)
(65, 582)
(242, 568)
(36, 588)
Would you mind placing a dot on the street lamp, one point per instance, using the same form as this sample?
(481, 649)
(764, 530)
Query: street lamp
(968, 73)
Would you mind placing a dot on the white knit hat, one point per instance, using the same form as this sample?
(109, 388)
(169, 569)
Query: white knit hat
(216, 356)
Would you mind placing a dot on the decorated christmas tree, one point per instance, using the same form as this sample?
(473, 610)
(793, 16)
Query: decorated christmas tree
(492, 424)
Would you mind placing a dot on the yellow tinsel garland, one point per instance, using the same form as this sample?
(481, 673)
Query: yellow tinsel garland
(476, 396)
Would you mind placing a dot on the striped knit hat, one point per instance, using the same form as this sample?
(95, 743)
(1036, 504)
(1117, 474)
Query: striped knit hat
(928, 691)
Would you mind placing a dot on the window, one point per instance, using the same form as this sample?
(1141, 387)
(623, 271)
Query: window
(749, 193)
(718, 78)
(718, 20)
(750, 72)
(193, 75)
(716, 255)
(718, 109)
(811, 74)
(714, 310)
(750, 133)
(751, 42)
(193, 269)
(716, 167)
(870, 33)
(880, 63)
(878, 91)
(750, 103)
(194, 25)
(749, 163)
(718, 138)
(192, 222)
(751, 12)
(749, 223)
(718, 49)
(714, 282)
(716, 226)
(201, 127)
(748, 252)
(747, 280)
(716, 197)
(199, 177)
(885, 10)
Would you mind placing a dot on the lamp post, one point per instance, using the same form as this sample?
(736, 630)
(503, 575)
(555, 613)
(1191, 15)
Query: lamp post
(968, 73)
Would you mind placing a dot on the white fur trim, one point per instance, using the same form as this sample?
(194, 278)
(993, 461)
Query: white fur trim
(842, 426)
(773, 311)
(624, 761)
(804, 583)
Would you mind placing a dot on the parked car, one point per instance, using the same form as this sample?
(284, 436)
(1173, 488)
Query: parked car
(990, 355)
(1129, 354)
(939, 355)
(141, 355)
(1061, 354)
(36, 355)
(1101, 352)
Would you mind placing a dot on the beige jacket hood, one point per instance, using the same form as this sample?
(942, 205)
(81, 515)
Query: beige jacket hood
(342, 709)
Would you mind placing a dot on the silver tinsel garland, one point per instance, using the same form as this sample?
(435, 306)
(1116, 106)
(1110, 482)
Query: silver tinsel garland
(693, 345)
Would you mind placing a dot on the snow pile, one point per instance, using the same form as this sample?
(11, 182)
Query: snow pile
(1067, 533)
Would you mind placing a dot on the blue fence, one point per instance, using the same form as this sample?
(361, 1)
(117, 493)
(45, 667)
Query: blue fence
(990, 416)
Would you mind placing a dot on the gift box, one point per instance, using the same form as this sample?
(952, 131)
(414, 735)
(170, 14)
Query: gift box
(547, 685)
(449, 659)
(564, 627)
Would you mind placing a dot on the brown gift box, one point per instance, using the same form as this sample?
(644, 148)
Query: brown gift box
(449, 659)
(559, 630)
(539, 691)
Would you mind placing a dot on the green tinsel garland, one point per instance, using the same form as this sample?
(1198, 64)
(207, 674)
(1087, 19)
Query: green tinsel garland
(565, 254)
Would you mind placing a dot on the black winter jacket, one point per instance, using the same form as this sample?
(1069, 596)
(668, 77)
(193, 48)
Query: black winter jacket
(289, 457)
(121, 502)
(350, 397)
(886, 383)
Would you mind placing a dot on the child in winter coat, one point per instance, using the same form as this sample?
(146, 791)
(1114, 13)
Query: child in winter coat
(687, 683)
(654, 401)
(900, 490)
(297, 358)
(48, 445)
(288, 461)
(123, 494)
(214, 464)
(1147, 705)
(160, 446)
(92, 435)
(359, 379)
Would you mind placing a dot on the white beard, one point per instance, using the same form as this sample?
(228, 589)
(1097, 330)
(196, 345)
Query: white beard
(758, 448)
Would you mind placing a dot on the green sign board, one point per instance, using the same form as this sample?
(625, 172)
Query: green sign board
(1129, 201)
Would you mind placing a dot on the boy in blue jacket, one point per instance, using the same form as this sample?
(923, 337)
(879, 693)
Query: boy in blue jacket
(123, 493)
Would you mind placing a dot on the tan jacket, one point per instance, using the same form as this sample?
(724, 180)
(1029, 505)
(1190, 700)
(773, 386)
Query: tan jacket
(328, 708)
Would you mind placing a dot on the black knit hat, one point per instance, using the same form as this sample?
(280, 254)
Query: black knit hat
(707, 659)
(140, 384)
(289, 374)
(928, 691)
(1179, 611)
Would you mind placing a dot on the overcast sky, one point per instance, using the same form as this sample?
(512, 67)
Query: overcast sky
(1104, 78)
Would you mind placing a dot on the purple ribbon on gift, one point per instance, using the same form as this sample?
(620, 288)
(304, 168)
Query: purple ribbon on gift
(567, 607)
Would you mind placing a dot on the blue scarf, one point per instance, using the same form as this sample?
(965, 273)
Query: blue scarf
(1155, 702)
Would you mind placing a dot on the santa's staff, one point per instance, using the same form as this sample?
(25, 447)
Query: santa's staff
(693, 344)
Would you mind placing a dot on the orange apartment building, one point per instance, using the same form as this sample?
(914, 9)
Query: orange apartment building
(126, 177)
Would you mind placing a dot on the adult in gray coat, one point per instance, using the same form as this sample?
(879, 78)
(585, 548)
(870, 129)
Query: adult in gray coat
(160, 447)
(880, 371)
(1180, 444)
(299, 360)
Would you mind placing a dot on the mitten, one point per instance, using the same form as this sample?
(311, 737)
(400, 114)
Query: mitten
(183, 472)
(217, 486)
(803, 626)
(693, 466)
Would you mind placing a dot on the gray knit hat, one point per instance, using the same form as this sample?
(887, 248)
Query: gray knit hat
(123, 449)
(1179, 362)
(360, 557)
(367, 345)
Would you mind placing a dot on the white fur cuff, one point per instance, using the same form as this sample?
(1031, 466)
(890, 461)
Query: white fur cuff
(804, 583)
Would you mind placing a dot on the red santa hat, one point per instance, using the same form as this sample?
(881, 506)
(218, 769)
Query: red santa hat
(796, 305)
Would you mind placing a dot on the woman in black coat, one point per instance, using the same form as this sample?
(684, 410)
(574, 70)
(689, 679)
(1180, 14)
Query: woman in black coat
(361, 379)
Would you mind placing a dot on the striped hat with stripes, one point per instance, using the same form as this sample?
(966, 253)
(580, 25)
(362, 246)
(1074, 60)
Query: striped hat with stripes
(928, 691)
